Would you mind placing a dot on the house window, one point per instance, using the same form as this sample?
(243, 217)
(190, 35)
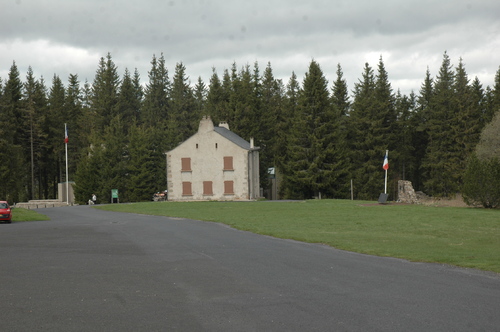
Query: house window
(228, 187)
(197, 145)
(216, 145)
(207, 188)
(228, 164)
(186, 189)
(186, 165)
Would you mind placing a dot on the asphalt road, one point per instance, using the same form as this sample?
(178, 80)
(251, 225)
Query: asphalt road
(91, 270)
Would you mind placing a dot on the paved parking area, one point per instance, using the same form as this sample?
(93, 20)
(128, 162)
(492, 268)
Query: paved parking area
(91, 270)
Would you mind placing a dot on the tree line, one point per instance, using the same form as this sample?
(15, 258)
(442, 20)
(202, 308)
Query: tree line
(319, 136)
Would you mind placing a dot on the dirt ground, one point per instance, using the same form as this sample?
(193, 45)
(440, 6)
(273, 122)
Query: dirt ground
(456, 201)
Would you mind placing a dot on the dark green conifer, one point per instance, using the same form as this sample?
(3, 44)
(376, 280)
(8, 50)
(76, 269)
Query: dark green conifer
(104, 94)
(146, 172)
(155, 108)
(217, 99)
(313, 161)
(78, 136)
(200, 96)
(34, 136)
(441, 162)
(270, 124)
(13, 171)
(128, 105)
(284, 137)
(183, 118)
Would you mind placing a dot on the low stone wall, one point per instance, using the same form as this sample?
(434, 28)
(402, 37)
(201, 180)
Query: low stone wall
(41, 204)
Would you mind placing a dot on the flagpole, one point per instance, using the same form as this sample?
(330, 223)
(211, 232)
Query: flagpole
(387, 156)
(66, 145)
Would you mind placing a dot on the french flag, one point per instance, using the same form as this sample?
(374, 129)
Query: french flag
(66, 140)
(386, 162)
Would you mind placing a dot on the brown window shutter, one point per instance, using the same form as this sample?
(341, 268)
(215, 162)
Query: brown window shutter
(228, 187)
(207, 188)
(186, 164)
(228, 163)
(186, 189)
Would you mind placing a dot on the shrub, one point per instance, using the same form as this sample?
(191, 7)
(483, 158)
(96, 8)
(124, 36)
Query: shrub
(482, 182)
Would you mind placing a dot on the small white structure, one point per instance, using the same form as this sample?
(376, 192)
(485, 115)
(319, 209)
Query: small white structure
(213, 164)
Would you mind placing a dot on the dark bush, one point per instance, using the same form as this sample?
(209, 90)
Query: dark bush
(482, 182)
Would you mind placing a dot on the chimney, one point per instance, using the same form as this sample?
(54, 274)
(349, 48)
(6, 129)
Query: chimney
(251, 143)
(206, 125)
(224, 125)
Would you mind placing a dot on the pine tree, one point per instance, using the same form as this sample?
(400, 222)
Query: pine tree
(85, 122)
(361, 139)
(227, 112)
(269, 123)
(214, 97)
(284, 136)
(75, 120)
(146, 165)
(405, 108)
(128, 105)
(493, 105)
(420, 122)
(374, 125)
(54, 157)
(468, 116)
(183, 119)
(13, 107)
(340, 93)
(139, 91)
(155, 109)
(342, 105)
(104, 94)
(88, 177)
(13, 172)
(200, 97)
(35, 138)
(479, 101)
(313, 159)
(114, 172)
(217, 105)
(243, 103)
(43, 175)
(387, 128)
(441, 162)
(257, 114)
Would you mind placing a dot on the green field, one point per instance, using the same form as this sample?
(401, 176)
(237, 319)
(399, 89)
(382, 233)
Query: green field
(466, 237)
(20, 214)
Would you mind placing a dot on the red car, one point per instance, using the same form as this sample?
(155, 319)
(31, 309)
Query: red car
(5, 212)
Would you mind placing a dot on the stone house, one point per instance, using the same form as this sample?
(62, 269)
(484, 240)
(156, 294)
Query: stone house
(213, 164)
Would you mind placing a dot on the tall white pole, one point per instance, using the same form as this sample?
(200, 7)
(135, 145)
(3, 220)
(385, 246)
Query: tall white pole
(67, 180)
(385, 189)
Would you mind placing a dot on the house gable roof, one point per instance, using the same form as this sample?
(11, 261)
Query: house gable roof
(228, 134)
(207, 127)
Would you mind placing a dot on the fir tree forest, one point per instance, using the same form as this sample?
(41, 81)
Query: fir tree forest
(319, 135)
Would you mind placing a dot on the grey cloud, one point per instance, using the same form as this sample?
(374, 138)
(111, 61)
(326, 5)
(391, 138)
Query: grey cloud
(215, 32)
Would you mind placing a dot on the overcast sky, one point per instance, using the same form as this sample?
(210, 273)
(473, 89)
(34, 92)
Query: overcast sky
(70, 36)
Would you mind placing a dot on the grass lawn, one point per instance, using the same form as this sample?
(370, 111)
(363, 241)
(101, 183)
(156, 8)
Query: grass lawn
(20, 214)
(466, 237)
